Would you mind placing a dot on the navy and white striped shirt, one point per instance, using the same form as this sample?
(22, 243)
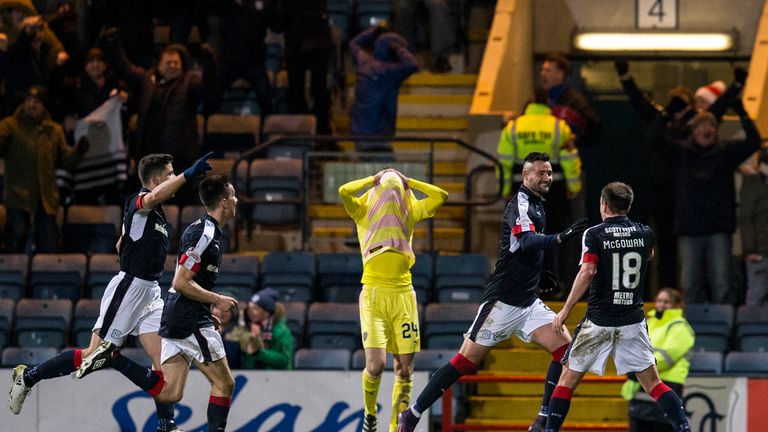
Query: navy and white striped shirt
(521, 251)
(199, 252)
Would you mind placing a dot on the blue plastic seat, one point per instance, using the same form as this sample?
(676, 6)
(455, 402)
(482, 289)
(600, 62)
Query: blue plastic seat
(358, 360)
(101, 269)
(291, 273)
(13, 275)
(295, 318)
(432, 359)
(30, 356)
(86, 313)
(704, 362)
(421, 276)
(278, 185)
(338, 277)
(752, 328)
(446, 323)
(229, 135)
(713, 324)
(91, 228)
(42, 323)
(138, 355)
(238, 274)
(57, 276)
(460, 278)
(6, 321)
(746, 363)
(286, 125)
(322, 359)
(334, 325)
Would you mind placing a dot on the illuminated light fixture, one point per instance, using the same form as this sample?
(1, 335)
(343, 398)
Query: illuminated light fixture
(653, 41)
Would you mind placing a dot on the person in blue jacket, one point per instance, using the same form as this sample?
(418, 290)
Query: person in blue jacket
(382, 63)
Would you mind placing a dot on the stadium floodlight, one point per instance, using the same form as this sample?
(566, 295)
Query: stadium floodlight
(658, 41)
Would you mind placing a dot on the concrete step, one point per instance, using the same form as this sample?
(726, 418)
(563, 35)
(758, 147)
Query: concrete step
(523, 408)
(536, 388)
(526, 360)
(432, 124)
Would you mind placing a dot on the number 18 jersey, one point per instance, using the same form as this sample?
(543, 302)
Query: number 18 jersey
(622, 250)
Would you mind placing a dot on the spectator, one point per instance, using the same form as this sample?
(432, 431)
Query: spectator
(672, 339)
(705, 213)
(242, 30)
(133, 18)
(269, 344)
(706, 95)
(382, 63)
(95, 84)
(231, 333)
(31, 54)
(169, 96)
(308, 45)
(33, 146)
(63, 18)
(442, 29)
(753, 223)
(567, 103)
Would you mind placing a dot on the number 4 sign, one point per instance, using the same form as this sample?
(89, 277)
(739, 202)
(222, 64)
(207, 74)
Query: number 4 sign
(661, 14)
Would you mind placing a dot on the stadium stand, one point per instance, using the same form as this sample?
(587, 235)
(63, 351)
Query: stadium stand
(295, 318)
(286, 125)
(13, 276)
(138, 355)
(86, 313)
(444, 324)
(746, 363)
(713, 324)
(338, 277)
(421, 278)
(57, 276)
(460, 278)
(101, 269)
(369, 13)
(6, 321)
(30, 356)
(42, 323)
(238, 274)
(291, 273)
(704, 362)
(333, 325)
(358, 360)
(752, 328)
(432, 360)
(91, 228)
(230, 135)
(172, 215)
(273, 181)
(322, 359)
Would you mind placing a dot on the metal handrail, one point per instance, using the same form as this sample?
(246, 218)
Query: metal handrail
(311, 141)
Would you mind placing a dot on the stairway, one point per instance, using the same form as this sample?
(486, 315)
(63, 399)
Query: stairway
(595, 406)
(430, 105)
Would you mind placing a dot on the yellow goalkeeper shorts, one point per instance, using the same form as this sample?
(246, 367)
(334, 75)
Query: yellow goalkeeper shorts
(389, 319)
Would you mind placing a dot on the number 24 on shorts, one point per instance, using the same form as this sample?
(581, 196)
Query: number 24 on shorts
(409, 328)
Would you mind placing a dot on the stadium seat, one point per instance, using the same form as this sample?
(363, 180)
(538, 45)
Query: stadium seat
(713, 324)
(704, 362)
(752, 328)
(444, 324)
(370, 13)
(138, 355)
(191, 213)
(229, 135)
(291, 273)
(746, 363)
(57, 276)
(91, 228)
(86, 313)
(338, 277)
(295, 317)
(30, 356)
(432, 359)
(238, 274)
(6, 321)
(101, 269)
(42, 323)
(358, 360)
(13, 275)
(278, 185)
(460, 278)
(285, 125)
(324, 359)
(333, 325)
(421, 277)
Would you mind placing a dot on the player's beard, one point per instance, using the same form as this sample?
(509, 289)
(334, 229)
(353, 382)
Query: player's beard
(542, 187)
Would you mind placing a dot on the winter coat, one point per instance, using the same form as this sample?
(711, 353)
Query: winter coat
(32, 152)
(704, 187)
(753, 214)
(378, 76)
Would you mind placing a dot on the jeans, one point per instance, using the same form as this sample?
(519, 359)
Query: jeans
(710, 254)
(18, 225)
(442, 30)
(757, 282)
